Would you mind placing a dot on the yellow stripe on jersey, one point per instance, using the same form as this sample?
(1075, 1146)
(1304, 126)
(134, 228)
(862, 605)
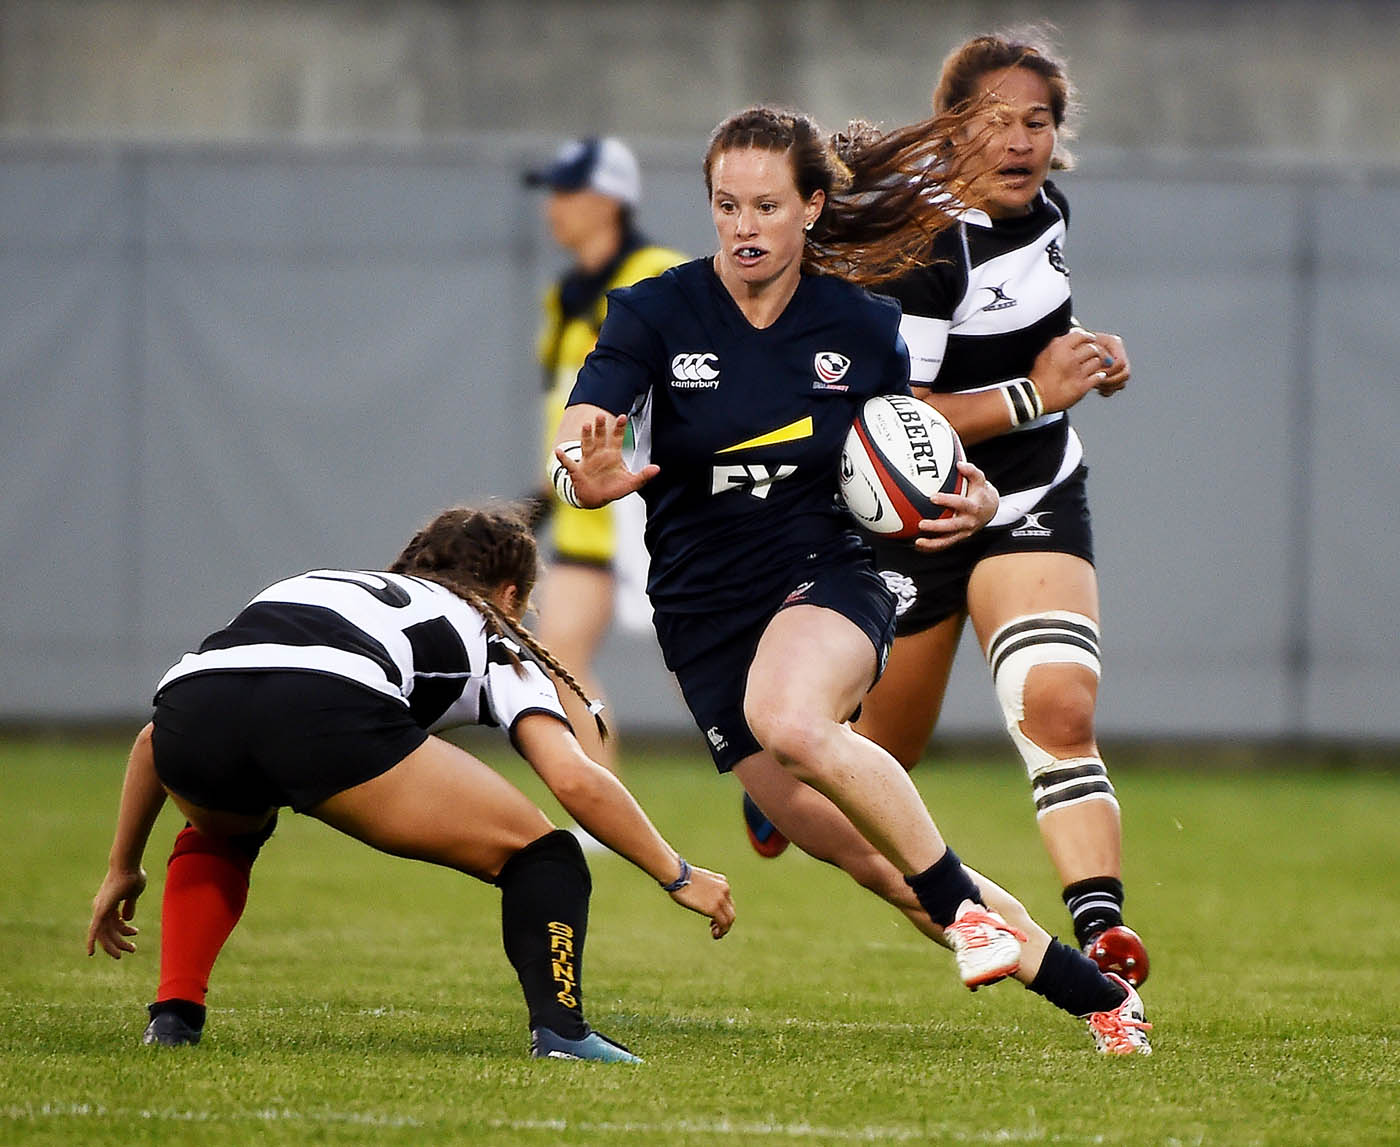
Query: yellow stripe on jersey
(802, 428)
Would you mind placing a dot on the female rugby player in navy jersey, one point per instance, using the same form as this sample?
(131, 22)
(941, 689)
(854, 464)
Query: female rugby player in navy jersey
(995, 347)
(767, 605)
(322, 694)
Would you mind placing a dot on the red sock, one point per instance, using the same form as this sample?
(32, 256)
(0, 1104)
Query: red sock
(206, 887)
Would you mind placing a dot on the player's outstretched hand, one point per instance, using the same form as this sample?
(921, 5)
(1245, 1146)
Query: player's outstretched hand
(598, 472)
(112, 910)
(708, 894)
(971, 511)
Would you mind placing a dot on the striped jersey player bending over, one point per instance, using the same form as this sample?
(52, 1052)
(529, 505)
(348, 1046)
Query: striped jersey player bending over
(768, 607)
(322, 694)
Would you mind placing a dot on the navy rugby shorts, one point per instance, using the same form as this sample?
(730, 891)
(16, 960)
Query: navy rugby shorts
(710, 653)
(249, 741)
(932, 587)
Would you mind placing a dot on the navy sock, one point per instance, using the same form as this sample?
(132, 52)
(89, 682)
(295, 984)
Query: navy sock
(1094, 904)
(1072, 981)
(942, 886)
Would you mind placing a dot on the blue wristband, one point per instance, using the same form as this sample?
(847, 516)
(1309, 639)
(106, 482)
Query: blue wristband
(680, 881)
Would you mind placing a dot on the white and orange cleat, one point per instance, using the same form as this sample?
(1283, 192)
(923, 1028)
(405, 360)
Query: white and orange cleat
(987, 948)
(1120, 950)
(1123, 1031)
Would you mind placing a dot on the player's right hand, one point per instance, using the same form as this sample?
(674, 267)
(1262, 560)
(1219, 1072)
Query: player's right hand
(600, 475)
(1067, 368)
(708, 894)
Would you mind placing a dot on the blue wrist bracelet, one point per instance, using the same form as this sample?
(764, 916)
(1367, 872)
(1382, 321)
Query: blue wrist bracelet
(680, 881)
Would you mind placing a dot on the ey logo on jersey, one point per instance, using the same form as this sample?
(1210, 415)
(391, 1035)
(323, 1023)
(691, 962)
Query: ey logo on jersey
(695, 371)
(755, 478)
(831, 367)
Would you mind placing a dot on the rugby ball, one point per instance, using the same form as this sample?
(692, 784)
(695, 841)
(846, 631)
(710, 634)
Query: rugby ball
(898, 453)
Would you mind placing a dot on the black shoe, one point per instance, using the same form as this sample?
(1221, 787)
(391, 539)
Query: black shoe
(174, 1023)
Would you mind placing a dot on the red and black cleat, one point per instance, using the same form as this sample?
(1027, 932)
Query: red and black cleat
(1120, 950)
(763, 834)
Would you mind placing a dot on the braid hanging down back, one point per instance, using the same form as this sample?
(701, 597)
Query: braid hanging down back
(475, 551)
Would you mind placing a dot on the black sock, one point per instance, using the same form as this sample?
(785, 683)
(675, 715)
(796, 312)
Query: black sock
(544, 920)
(1072, 981)
(189, 1011)
(941, 887)
(1094, 904)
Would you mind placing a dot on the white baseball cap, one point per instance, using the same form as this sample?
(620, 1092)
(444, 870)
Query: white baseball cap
(605, 165)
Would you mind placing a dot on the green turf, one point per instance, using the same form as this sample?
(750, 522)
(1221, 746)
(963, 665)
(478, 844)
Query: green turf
(366, 999)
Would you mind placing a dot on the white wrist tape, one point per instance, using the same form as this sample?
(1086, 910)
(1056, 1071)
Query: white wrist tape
(1022, 400)
(563, 481)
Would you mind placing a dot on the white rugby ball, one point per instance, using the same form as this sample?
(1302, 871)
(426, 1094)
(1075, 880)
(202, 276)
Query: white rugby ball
(899, 452)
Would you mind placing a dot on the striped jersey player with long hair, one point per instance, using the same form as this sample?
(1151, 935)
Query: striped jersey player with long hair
(767, 605)
(323, 694)
(995, 346)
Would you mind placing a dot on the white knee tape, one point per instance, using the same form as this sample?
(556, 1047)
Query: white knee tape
(1069, 782)
(1054, 637)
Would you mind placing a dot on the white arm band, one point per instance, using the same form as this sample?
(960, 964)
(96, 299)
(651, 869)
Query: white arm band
(562, 479)
(1022, 400)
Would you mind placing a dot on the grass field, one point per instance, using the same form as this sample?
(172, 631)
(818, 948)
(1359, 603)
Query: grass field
(366, 999)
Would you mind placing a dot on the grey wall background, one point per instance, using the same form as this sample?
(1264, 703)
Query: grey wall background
(268, 287)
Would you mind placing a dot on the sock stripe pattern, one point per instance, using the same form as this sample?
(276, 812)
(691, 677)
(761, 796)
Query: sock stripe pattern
(1094, 904)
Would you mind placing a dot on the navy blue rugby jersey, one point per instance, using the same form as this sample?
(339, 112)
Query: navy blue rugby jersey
(406, 637)
(747, 425)
(992, 294)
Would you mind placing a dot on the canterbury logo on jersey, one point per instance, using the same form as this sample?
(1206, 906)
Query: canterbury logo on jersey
(1056, 257)
(695, 371)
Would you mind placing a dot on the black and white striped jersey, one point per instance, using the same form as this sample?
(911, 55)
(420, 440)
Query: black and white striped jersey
(993, 293)
(405, 637)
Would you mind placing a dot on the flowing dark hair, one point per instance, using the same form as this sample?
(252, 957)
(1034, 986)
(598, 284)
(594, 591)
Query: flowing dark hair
(888, 193)
(473, 551)
(1029, 48)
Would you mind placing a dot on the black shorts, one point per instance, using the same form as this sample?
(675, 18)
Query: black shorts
(710, 653)
(932, 587)
(249, 741)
